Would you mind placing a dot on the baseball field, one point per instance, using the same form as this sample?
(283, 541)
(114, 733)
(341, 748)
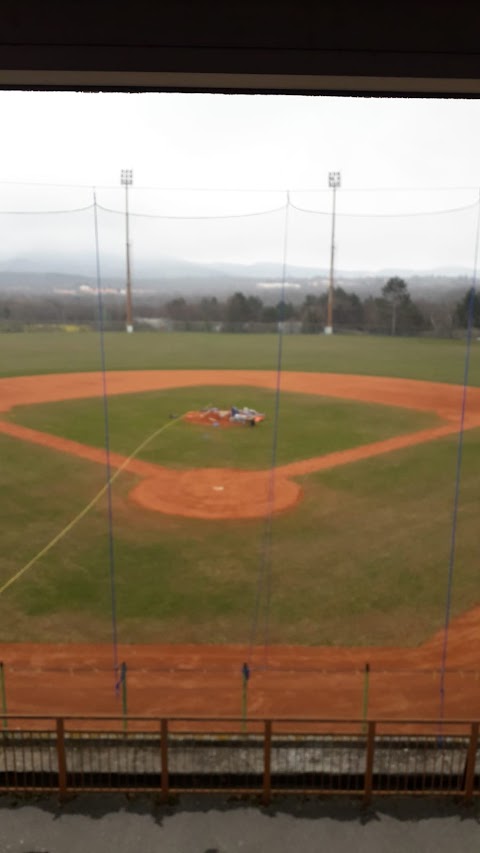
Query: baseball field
(327, 540)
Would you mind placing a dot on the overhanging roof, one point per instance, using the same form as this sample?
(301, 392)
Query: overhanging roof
(241, 45)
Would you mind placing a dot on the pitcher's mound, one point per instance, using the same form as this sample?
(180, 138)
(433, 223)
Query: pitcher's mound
(216, 493)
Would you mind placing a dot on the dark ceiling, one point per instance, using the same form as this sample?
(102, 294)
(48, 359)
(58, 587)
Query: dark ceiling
(241, 45)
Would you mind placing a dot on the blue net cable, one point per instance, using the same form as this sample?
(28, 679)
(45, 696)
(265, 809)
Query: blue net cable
(264, 582)
(273, 461)
(456, 500)
(108, 471)
(456, 496)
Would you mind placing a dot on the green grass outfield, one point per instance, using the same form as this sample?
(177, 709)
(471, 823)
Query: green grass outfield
(363, 559)
(414, 358)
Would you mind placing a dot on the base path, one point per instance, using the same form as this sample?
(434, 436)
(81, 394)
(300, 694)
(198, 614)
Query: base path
(223, 492)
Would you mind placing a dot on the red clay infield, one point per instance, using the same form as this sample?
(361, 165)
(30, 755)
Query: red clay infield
(230, 493)
(201, 680)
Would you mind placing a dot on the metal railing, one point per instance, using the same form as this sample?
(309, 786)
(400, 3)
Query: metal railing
(70, 755)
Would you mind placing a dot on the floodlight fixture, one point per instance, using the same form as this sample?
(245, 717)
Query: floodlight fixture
(126, 177)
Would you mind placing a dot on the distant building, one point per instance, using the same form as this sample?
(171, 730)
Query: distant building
(290, 327)
(278, 285)
(160, 324)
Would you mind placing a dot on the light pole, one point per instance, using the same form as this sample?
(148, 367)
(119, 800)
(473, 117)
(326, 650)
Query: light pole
(126, 179)
(334, 183)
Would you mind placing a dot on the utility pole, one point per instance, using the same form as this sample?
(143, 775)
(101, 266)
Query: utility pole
(126, 179)
(334, 183)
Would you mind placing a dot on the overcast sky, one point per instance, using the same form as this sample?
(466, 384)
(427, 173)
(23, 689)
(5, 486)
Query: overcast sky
(263, 144)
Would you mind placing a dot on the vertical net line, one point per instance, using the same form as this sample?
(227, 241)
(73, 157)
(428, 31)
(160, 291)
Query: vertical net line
(264, 582)
(108, 467)
(458, 470)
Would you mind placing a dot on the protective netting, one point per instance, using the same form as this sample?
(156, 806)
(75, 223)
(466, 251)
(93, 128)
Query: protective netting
(328, 523)
(212, 244)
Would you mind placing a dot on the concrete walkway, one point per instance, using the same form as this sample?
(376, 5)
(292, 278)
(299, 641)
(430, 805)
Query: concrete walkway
(115, 824)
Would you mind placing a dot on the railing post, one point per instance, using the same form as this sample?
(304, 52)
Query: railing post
(164, 758)
(61, 759)
(367, 794)
(3, 696)
(470, 765)
(267, 762)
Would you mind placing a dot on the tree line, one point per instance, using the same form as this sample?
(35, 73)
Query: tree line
(393, 312)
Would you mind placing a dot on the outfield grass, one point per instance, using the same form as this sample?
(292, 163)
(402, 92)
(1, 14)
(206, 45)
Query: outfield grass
(362, 560)
(308, 425)
(415, 358)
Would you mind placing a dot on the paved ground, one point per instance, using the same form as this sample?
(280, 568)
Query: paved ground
(114, 824)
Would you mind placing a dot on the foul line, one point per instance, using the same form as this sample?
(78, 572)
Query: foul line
(87, 508)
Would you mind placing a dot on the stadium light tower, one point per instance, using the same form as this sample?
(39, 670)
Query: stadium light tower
(334, 183)
(126, 179)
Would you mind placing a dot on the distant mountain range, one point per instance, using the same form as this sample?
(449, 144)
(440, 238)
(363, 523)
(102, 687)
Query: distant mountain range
(83, 264)
(112, 266)
(75, 274)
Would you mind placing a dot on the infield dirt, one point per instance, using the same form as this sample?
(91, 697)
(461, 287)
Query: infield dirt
(225, 492)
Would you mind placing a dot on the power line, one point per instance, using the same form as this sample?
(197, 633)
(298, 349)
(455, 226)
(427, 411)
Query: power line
(218, 216)
(388, 215)
(243, 189)
(45, 212)
(194, 216)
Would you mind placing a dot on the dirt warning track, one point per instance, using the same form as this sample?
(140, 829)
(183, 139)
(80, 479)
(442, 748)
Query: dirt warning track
(291, 681)
(223, 492)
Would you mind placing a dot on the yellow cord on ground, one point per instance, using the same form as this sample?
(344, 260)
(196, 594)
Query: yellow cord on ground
(86, 509)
